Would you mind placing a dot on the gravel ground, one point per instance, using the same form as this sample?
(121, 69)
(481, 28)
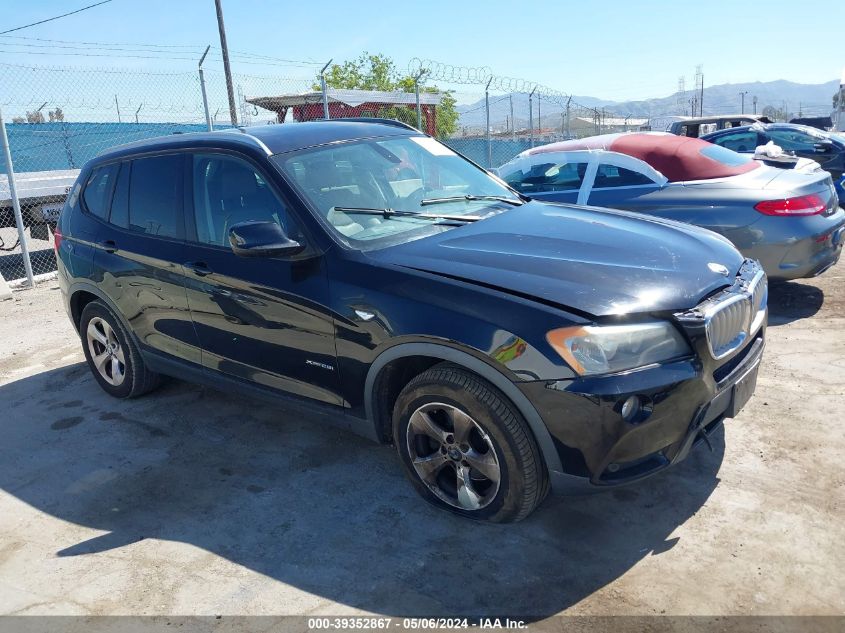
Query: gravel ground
(190, 501)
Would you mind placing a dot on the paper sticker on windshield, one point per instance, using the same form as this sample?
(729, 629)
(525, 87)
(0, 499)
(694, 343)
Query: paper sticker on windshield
(432, 146)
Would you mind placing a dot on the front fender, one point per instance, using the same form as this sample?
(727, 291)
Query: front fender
(487, 371)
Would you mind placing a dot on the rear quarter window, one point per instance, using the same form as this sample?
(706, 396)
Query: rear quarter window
(97, 193)
(725, 156)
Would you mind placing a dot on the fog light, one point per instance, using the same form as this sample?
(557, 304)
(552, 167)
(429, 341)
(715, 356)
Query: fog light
(630, 408)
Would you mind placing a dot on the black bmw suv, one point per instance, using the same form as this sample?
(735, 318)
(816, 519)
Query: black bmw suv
(504, 346)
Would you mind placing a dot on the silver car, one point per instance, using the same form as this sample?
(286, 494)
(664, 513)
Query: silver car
(788, 220)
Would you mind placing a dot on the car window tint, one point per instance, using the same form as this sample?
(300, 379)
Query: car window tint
(613, 176)
(542, 177)
(227, 190)
(155, 196)
(98, 190)
(738, 141)
(120, 202)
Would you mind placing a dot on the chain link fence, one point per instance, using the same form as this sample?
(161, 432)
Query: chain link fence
(57, 118)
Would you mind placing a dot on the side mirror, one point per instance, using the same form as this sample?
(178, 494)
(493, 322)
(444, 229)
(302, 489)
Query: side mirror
(261, 239)
(823, 147)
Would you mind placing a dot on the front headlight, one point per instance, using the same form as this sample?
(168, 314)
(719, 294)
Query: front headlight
(602, 349)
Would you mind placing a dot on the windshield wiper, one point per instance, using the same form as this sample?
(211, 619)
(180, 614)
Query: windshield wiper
(514, 201)
(387, 213)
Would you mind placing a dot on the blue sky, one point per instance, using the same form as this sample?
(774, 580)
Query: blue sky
(613, 49)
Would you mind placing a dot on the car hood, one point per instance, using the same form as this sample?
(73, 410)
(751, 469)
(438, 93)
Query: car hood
(590, 260)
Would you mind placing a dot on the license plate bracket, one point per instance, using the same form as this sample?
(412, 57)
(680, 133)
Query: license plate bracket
(742, 392)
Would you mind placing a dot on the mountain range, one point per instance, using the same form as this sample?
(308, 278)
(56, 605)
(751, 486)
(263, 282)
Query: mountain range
(789, 96)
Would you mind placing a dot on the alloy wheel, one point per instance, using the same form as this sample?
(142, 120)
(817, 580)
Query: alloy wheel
(453, 456)
(106, 351)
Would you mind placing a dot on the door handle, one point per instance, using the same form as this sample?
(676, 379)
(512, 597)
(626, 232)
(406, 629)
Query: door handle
(108, 245)
(198, 268)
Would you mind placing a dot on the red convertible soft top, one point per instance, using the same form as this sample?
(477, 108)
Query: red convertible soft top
(678, 158)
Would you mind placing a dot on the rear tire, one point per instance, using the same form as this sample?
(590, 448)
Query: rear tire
(112, 355)
(466, 448)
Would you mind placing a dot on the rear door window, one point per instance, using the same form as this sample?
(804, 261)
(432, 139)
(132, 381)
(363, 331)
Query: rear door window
(98, 189)
(745, 141)
(545, 177)
(795, 140)
(156, 196)
(613, 176)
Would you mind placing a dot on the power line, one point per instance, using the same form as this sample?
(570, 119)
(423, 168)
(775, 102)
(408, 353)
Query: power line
(114, 46)
(256, 62)
(63, 15)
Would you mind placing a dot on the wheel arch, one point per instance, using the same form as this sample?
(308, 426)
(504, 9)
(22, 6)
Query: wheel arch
(440, 353)
(81, 294)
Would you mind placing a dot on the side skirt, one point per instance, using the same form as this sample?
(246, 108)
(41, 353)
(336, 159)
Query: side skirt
(309, 409)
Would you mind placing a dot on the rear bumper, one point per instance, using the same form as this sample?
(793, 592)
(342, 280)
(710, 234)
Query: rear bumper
(804, 255)
(688, 399)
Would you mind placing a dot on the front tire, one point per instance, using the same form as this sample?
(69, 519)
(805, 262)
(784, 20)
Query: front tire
(112, 355)
(466, 448)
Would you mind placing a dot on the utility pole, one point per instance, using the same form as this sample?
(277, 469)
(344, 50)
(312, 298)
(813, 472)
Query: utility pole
(233, 113)
(701, 100)
(699, 88)
(742, 95)
(117, 106)
(754, 100)
(136, 113)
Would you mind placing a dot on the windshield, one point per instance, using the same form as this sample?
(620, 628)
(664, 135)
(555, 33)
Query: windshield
(385, 189)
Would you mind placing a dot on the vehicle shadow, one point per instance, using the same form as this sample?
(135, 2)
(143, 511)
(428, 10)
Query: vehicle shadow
(790, 301)
(313, 506)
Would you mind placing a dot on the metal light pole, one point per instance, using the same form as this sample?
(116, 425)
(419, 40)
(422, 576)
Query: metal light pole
(117, 106)
(487, 109)
(742, 94)
(227, 70)
(531, 115)
(326, 114)
(422, 72)
(16, 204)
(208, 122)
(754, 101)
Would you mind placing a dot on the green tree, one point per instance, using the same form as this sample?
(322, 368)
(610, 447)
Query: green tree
(379, 72)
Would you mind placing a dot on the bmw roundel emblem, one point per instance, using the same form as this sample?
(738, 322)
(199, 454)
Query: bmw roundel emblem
(718, 268)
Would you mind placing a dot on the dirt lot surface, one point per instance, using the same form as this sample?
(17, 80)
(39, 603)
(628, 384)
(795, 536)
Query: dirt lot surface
(191, 501)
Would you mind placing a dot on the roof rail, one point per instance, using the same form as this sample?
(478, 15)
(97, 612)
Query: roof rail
(368, 119)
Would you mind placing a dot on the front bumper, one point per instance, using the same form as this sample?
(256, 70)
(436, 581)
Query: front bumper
(598, 449)
(681, 403)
